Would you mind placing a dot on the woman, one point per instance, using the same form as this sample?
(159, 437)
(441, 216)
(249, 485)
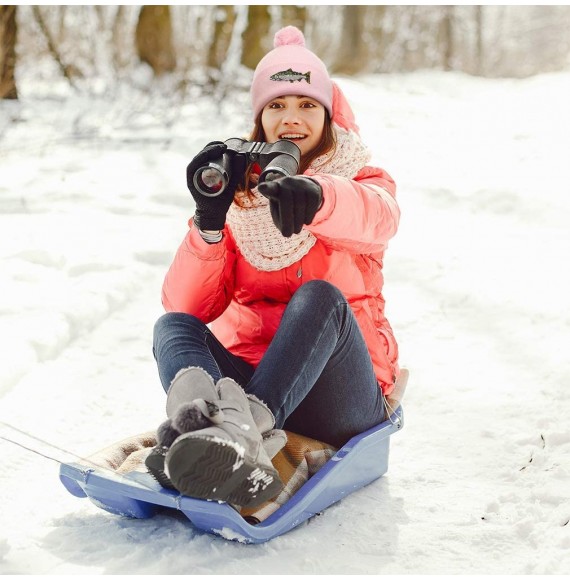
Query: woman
(289, 276)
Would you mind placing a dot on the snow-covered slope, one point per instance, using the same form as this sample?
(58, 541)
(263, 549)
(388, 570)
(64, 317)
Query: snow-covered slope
(93, 204)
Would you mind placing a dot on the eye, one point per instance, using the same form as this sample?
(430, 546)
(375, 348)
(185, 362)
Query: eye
(274, 105)
(308, 105)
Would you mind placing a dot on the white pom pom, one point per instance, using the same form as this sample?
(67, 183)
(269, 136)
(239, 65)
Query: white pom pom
(288, 35)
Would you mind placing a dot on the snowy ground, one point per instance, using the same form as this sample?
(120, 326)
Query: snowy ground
(93, 204)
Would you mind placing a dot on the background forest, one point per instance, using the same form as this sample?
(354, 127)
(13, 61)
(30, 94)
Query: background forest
(209, 46)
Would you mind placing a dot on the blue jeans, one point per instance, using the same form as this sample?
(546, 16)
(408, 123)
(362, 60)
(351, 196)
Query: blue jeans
(316, 376)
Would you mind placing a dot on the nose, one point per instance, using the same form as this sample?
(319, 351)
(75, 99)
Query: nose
(290, 117)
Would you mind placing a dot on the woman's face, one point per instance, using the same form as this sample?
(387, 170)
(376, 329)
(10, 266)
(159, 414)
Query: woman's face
(296, 118)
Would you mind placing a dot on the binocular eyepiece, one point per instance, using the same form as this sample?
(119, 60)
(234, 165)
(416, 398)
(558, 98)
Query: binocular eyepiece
(277, 160)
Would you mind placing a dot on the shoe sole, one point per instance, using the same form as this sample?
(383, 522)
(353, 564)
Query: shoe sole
(155, 465)
(209, 468)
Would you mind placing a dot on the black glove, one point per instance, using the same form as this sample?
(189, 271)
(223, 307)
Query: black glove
(211, 211)
(293, 200)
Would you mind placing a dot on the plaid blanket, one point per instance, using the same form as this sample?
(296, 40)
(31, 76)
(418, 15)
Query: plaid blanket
(300, 459)
(296, 463)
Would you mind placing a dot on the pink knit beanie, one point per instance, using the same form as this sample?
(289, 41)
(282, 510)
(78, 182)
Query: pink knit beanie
(290, 69)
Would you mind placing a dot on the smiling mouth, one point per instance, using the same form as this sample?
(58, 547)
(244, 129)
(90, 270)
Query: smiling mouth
(292, 136)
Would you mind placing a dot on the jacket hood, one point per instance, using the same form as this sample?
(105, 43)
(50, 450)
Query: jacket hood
(343, 115)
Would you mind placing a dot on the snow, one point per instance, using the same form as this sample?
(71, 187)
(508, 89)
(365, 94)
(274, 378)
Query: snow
(93, 205)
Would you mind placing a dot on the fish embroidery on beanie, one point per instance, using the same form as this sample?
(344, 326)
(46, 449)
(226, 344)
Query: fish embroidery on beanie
(291, 76)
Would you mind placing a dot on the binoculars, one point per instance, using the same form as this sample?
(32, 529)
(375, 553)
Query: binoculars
(277, 160)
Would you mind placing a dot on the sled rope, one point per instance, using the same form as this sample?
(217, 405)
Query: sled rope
(390, 411)
(29, 449)
(89, 464)
(49, 444)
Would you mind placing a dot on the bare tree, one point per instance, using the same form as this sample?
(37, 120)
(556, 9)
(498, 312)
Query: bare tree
(447, 38)
(479, 51)
(213, 42)
(224, 17)
(67, 70)
(255, 36)
(380, 33)
(119, 60)
(352, 53)
(154, 38)
(292, 15)
(8, 35)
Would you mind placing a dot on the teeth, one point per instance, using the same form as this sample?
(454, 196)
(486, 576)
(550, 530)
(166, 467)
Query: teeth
(292, 136)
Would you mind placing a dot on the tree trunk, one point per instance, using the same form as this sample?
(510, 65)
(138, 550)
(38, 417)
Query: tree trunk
(447, 38)
(154, 38)
(480, 58)
(380, 37)
(68, 71)
(8, 34)
(120, 60)
(225, 19)
(294, 16)
(255, 36)
(352, 53)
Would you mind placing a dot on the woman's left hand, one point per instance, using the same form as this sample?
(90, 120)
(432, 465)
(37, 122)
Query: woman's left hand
(294, 201)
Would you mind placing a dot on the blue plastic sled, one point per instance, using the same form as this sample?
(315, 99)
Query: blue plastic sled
(359, 462)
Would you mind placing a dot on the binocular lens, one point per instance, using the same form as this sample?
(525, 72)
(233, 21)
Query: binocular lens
(210, 181)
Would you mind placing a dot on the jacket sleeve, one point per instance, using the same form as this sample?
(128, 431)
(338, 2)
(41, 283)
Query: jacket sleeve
(360, 214)
(200, 279)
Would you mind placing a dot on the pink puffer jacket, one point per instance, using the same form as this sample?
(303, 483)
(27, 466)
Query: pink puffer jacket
(215, 283)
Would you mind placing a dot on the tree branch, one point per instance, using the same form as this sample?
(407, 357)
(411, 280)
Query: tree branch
(65, 69)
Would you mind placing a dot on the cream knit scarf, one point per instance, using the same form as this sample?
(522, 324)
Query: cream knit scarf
(257, 237)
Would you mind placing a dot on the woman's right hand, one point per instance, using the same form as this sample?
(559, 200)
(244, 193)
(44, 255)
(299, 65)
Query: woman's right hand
(211, 211)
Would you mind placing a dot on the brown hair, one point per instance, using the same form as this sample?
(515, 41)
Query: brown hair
(327, 144)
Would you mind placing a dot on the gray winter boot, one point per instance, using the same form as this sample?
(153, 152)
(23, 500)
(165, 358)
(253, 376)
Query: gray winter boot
(225, 460)
(186, 413)
(273, 440)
